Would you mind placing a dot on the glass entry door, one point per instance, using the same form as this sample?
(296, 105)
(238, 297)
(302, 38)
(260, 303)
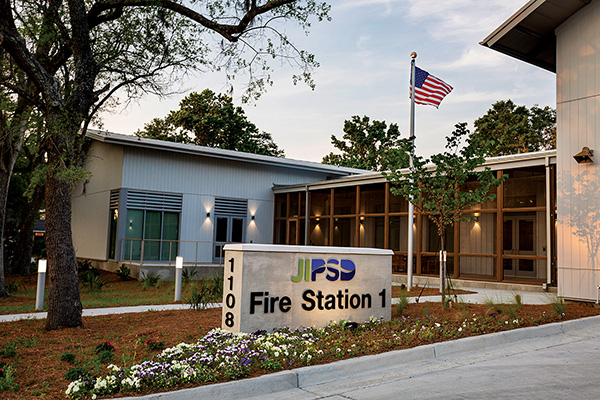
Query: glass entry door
(228, 229)
(519, 240)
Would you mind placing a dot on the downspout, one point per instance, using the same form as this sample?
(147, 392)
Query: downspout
(549, 208)
(306, 219)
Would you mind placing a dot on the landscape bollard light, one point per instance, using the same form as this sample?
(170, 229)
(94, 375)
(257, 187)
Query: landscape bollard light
(178, 274)
(39, 297)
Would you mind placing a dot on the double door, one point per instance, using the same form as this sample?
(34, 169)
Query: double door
(228, 229)
(519, 240)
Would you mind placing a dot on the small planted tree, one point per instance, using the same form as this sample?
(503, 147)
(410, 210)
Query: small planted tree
(435, 184)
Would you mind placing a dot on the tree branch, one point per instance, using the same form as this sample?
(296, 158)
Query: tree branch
(228, 31)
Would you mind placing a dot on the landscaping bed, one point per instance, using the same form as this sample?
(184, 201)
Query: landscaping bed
(38, 358)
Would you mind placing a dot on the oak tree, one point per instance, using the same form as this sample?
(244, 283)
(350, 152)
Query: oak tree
(365, 144)
(511, 129)
(67, 59)
(210, 119)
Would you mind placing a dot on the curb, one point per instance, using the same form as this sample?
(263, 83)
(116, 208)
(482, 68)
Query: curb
(318, 374)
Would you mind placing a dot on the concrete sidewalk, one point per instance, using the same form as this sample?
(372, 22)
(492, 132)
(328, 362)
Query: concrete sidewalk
(90, 312)
(498, 296)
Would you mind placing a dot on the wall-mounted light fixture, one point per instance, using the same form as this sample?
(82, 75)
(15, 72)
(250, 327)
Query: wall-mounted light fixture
(585, 156)
(252, 218)
(476, 215)
(208, 215)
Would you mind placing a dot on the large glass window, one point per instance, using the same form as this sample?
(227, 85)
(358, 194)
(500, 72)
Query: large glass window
(156, 231)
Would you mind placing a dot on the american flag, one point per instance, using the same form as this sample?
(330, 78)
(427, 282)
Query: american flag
(429, 89)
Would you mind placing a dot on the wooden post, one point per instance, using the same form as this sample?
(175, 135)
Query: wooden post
(386, 220)
(357, 218)
(499, 229)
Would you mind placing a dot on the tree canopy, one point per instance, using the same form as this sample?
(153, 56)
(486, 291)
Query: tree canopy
(365, 144)
(208, 119)
(68, 59)
(512, 129)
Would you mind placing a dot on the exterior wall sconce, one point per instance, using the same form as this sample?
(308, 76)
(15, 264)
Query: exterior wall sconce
(252, 218)
(208, 215)
(476, 215)
(585, 156)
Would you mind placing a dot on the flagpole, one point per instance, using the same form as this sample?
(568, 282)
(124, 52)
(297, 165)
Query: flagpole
(411, 206)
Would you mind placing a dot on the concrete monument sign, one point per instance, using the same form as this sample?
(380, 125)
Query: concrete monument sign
(271, 286)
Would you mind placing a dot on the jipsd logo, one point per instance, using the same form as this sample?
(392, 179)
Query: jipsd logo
(334, 269)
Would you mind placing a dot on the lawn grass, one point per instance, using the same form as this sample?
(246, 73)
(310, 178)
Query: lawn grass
(115, 293)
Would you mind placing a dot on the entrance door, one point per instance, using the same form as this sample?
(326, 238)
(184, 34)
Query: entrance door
(519, 240)
(228, 229)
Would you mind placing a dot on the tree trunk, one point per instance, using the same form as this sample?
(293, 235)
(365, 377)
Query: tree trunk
(24, 246)
(64, 303)
(4, 182)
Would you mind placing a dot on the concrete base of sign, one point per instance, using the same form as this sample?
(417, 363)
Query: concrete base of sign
(271, 286)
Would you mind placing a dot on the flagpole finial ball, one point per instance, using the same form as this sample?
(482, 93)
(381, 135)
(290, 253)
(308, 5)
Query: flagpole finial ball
(413, 55)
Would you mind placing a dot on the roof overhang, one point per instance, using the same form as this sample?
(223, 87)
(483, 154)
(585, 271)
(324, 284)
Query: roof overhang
(211, 152)
(504, 163)
(529, 34)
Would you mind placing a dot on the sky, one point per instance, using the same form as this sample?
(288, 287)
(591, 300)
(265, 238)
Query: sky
(364, 56)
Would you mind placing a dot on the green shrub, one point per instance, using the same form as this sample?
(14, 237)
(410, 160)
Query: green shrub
(9, 350)
(492, 307)
(151, 280)
(12, 287)
(84, 266)
(68, 357)
(7, 378)
(558, 306)
(188, 275)
(154, 345)
(206, 292)
(74, 373)
(124, 272)
(105, 356)
(104, 346)
(402, 304)
(92, 280)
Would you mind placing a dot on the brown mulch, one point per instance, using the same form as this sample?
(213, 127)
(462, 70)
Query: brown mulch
(40, 371)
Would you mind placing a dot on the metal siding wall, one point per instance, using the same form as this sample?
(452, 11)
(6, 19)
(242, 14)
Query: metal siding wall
(90, 209)
(201, 179)
(578, 104)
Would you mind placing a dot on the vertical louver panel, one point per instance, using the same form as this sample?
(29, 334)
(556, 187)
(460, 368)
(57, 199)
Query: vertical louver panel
(171, 202)
(114, 199)
(231, 207)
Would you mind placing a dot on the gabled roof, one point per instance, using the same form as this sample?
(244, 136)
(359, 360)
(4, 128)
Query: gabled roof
(212, 152)
(529, 34)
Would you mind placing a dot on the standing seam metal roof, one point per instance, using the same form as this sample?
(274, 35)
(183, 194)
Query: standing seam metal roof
(161, 145)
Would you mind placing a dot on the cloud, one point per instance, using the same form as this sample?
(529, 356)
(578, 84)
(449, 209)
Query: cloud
(475, 56)
(462, 20)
